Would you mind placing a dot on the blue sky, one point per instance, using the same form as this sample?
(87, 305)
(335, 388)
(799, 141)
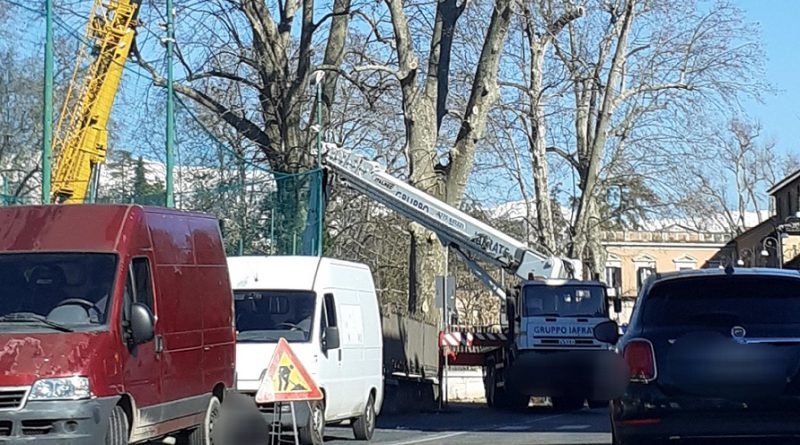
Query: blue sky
(780, 114)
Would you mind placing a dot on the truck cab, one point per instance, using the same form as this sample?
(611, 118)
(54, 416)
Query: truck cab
(561, 314)
(553, 348)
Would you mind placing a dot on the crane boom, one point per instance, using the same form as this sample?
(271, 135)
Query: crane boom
(81, 142)
(469, 236)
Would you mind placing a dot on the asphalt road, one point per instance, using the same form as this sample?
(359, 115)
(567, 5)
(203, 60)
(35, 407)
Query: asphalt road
(477, 424)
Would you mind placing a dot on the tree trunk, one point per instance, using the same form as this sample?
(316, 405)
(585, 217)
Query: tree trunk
(538, 149)
(588, 226)
(426, 258)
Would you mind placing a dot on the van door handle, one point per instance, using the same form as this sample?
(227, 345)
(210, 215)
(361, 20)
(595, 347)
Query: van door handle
(340, 355)
(159, 346)
(207, 348)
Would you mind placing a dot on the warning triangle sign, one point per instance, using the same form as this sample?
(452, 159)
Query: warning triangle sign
(286, 379)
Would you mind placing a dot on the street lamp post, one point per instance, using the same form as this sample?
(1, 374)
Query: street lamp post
(778, 249)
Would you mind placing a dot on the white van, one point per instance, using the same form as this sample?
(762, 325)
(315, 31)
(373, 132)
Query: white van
(327, 310)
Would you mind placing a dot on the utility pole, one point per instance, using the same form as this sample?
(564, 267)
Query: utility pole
(170, 41)
(47, 115)
(320, 185)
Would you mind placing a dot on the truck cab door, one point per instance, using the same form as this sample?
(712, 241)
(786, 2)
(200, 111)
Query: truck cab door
(142, 366)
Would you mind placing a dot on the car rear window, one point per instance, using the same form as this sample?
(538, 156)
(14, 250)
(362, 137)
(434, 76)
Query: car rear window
(751, 299)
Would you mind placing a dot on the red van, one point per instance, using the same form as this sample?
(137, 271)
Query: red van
(116, 324)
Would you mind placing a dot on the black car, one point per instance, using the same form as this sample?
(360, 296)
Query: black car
(712, 353)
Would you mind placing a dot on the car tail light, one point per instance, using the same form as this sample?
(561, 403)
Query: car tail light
(641, 360)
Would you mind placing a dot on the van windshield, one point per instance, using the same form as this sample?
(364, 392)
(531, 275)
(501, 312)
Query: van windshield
(55, 291)
(266, 316)
(564, 301)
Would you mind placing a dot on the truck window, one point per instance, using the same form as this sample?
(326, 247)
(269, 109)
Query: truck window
(143, 288)
(267, 315)
(564, 301)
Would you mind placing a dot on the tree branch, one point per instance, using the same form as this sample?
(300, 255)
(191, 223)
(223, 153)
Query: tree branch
(298, 85)
(558, 24)
(627, 94)
(569, 157)
(224, 75)
(248, 128)
(482, 97)
(329, 16)
(406, 57)
(266, 39)
(372, 25)
(334, 51)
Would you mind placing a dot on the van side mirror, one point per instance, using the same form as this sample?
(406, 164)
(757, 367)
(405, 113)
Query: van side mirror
(617, 304)
(607, 332)
(142, 324)
(331, 339)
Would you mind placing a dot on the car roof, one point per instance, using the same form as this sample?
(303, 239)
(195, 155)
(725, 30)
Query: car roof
(728, 271)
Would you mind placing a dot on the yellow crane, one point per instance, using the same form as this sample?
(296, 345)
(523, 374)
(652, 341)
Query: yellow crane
(80, 144)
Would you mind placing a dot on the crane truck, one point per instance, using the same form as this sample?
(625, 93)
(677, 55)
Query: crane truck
(547, 344)
(81, 142)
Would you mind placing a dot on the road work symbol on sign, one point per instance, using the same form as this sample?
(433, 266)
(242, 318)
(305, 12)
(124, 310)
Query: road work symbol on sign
(286, 380)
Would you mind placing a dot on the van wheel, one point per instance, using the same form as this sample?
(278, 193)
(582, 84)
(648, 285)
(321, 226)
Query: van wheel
(117, 432)
(314, 431)
(202, 435)
(364, 425)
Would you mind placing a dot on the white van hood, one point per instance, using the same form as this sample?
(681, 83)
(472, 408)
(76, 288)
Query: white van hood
(252, 359)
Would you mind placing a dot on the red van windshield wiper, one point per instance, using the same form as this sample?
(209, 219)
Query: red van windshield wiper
(30, 317)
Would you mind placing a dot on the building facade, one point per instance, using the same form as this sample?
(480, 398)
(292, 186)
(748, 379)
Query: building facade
(776, 241)
(633, 255)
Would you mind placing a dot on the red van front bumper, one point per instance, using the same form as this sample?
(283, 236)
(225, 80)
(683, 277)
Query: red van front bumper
(78, 422)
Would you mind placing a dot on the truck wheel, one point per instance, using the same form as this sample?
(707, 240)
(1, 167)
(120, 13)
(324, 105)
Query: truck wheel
(314, 431)
(202, 434)
(364, 425)
(490, 386)
(567, 403)
(117, 432)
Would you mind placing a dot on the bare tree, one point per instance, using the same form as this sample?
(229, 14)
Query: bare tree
(541, 25)
(639, 70)
(20, 129)
(246, 47)
(731, 176)
(425, 90)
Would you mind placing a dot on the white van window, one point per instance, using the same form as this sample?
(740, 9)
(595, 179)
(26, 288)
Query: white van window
(330, 310)
(266, 316)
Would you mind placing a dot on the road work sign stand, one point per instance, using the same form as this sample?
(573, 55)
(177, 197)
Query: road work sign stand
(286, 380)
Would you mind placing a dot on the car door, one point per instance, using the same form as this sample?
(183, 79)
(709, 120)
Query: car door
(331, 371)
(142, 368)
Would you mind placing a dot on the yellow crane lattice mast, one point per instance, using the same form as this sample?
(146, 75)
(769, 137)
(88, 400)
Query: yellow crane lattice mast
(80, 145)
